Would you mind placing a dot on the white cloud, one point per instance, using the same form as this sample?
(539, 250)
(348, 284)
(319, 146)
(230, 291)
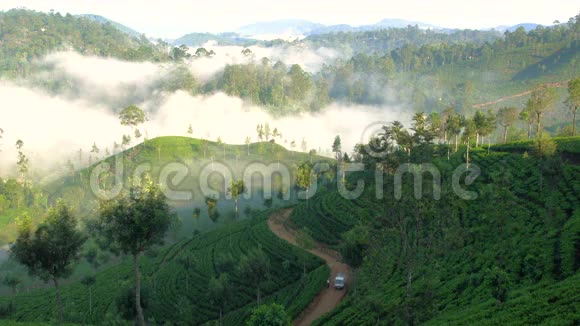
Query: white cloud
(309, 60)
(102, 72)
(54, 128)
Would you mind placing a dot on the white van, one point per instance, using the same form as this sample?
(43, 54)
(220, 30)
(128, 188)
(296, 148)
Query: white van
(339, 281)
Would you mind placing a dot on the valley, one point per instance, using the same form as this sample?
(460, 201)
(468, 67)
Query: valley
(179, 164)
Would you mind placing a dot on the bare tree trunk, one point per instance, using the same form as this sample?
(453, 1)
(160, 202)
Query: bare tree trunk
(529, 130)
(468, 152)
(236, 208)
(488, 143)
(58, 303)
(140, 317)
(538, 118)
(456, 143)
(505, 134)
(574, 123)
(410, 317)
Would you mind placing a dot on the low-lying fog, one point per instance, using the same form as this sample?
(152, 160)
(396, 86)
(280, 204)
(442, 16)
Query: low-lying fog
(54, 127)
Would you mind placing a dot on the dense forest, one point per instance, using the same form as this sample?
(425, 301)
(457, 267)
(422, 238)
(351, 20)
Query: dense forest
(424, 69)
(469, 213)
(27, 35)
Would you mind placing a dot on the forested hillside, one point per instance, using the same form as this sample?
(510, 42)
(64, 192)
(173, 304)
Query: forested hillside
(180, 281)
(508, 253)
(74, 184)
(429, 77)
(26, 36)
(191, 183)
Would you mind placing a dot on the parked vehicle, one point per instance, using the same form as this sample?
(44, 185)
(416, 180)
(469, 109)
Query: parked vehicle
(339, 281)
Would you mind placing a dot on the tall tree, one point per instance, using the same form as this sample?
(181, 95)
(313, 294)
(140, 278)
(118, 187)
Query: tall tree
(133, 223)
(237, 187)
(219, 292)
(488, 128)
(12, 281)
(95, 149)
(337, 147)
(541, 102)
(480, 122)
(22, 161)
(454, 128)
(506, 117)
(260, 132)
(267, 131)
(132, 116)
(50, 251)
(305, 240)
(303, 145)
(527, 116)
(248, 142)
(269, 315)
(573, 100)
(470, 131)
(255, 268)
(303, 176)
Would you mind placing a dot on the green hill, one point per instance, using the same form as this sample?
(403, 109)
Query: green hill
(192, 155)
(511, 256)
(104, 20)
(29, 35)
(180, 296)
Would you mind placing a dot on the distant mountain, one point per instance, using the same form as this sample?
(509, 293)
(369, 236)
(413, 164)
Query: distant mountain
(383, 24)
(198, 39)
(119, 26)
(279, 27)
(401, 23)
(527, 27)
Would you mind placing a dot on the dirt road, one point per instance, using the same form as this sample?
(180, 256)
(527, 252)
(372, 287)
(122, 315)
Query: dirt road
(328, 298)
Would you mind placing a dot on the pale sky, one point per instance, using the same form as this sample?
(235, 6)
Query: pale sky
(173, 18)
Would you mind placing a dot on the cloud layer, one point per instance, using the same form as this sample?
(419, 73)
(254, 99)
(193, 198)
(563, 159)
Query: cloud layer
(54, 127)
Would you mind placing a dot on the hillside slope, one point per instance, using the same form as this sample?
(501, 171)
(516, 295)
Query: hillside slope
(511, 256)
(28, 35)
(179, 295)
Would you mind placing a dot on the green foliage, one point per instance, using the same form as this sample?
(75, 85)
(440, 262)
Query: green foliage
(28, 35)
(212, 254)
(355, 243)
(567, 145)
(304, 176)
(544, 146)
(12, 281)
(135, 221)
(126, 302)
(50, 251)
(269, 315)
(52, 248)
(516, 244)
(499, 282)
(304, 239)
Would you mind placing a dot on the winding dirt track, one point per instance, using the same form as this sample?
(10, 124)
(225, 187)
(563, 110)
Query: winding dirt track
(328, 298)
